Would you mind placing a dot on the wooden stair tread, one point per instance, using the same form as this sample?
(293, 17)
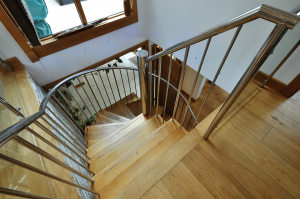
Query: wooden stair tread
(129, 98)
(100, 132)
(104, 117)
(123, 173)
(101, 159)
(116, 135)
(121, 109)
(135, 107)
(159, 167)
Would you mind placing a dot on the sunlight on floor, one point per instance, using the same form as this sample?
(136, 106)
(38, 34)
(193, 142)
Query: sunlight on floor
(64, 17)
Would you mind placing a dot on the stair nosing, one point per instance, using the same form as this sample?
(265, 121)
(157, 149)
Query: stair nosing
(145, 141)
(129, 122)
(125, 138)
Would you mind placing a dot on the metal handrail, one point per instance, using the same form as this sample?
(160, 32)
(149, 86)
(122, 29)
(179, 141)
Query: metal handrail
(9, 133)
(264, 12)
(186, 102)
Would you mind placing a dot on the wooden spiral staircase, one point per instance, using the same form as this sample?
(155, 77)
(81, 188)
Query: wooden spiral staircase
(124, 145)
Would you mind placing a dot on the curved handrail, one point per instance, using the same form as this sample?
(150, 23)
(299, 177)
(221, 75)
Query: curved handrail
(264, 12)
(192, 114)
(10, 132)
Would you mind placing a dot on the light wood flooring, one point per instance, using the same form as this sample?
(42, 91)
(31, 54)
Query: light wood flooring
(254, 153)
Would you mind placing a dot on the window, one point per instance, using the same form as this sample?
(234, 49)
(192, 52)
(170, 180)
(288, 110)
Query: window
(44, 24)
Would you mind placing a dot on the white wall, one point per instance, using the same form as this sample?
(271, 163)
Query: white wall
(72, 59)
(172, 21)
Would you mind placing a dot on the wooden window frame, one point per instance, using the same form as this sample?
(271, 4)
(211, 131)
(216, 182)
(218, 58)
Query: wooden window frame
(52, 45)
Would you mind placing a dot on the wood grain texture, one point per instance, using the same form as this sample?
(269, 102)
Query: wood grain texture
(278, 169)
(143, 44)
(164, 189)
(98, 133)
(101, 160)
(183, 184)
(249, 175)
(284, 147)
(154, 192)
(118, 134)
(106, 117)
(80, 12)
(154, 172)
(215, 179)
(120, 108)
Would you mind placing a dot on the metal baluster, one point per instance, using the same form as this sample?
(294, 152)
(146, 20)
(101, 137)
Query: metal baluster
(105, 88)
(81, 99)
(150, 88)
(111, 88)
(116, 83)
(67, 112)
(129, 85)
(196, 78)
(13, 192)
(181, 80)
(39, 171)
(281, 63)
(71, 107)
(52, 120)
(220, 68)
(69, 92)
(158, 85)
(123, 85)
(92, 93)
(135, 84)
(51, 126)
(60, 141)
(189, 122)
(87, 95)
(99, 90)
(262, 55)
(64, 125)
(168, 85)
(56, 148)
(48, 156)
(181, 110)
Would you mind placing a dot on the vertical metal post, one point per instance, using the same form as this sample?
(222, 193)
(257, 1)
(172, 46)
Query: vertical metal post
(141, 55)
(181, 80)
(150, 93)
(281, 63)
(260, 58)
(219, 70)
(158, 85)
(196, 79)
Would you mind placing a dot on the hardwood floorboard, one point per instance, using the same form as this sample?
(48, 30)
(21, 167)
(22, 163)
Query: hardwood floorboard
(278, 169)
(215, 179)
(183, 184)
(239, 166)
(296, 98)
(154, 192)
(284, 147)
(164, 189)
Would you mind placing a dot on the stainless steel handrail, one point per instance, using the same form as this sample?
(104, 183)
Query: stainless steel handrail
(264, 11)
(9, 133)
(186, 102)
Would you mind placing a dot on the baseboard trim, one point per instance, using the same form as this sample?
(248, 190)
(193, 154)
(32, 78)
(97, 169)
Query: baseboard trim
(273, 83)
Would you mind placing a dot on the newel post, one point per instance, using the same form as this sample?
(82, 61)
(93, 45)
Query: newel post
(143, 76)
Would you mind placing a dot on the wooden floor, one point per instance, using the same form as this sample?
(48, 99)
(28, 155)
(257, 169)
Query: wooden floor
(254, 154)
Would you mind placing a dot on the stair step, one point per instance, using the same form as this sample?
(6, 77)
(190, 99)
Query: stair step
(129, 98)
(101, 160)
(158, 168)
(117, 175)
(98, 133)
(121, 109)
(116, 135)
(136, 108)
(105, 117)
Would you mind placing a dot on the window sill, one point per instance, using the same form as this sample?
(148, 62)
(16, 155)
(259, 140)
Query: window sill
(52, 45)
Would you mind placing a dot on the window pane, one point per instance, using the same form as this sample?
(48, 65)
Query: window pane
(96, 9)
(62, 15)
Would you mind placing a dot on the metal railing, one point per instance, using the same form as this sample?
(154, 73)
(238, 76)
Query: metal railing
(283, 20)
(59, 131)
(94, 100)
